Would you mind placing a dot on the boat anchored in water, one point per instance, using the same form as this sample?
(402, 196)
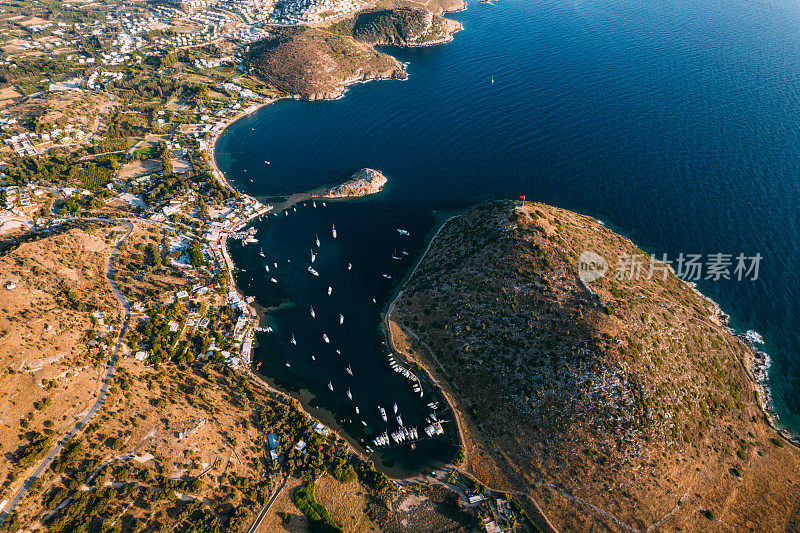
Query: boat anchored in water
(292, 340)
(349, 370)
(394, 255)
(341, 319)
(395, 407)
(333, 230)
(326, 339)
(312, 271)
(382, 411)
(313, 314)
(330, 290)
(349, 394)
(399, 420)
(313, 256)
(317, 240)
(330, 385)
(403, 232)
(273, 280)
(387, 276)
(349, 266)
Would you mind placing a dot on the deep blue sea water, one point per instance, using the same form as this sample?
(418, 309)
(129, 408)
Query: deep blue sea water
(676, 122)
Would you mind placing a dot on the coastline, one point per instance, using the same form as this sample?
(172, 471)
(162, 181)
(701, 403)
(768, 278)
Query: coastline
(247, 366)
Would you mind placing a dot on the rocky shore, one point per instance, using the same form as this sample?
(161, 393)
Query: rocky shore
(363, 183)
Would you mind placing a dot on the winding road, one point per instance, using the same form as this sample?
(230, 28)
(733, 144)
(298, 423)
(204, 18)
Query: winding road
(112, 363)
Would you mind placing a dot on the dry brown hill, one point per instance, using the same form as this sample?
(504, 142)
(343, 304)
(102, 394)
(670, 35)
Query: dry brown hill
(315, 64)
(621, 405)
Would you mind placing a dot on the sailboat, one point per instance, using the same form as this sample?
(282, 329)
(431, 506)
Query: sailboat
(349, 266)
(261, 253)
(330, 290)
(293, 341)
(333, 230)
(405, 252)
(317, 237)
(349, 370)
(313, 256)
(330, 385)
(341, 319)
(492, 79)
(394, 255)
(349, 394)
(399, 421)
(313, 314)
(275, 265)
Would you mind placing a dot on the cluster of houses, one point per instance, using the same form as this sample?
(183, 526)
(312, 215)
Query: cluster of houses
(313, 11)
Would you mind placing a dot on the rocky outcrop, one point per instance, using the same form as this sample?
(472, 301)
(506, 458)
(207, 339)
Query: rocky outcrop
(363, 183)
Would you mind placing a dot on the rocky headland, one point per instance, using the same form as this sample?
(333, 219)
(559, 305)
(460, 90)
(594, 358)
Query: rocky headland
(619, 404)
(363, 183)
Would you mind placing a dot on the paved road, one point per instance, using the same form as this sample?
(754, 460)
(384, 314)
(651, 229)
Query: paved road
(103, 390)
(266, 508)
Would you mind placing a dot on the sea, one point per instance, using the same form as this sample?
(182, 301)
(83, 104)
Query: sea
(676, 123)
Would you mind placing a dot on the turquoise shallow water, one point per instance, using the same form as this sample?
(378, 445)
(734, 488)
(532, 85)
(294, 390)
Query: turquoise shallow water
(676, 123)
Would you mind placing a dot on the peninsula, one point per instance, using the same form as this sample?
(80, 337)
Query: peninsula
(614, 404)
(363, 183)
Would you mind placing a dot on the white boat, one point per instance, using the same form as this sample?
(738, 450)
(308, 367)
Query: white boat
(273, 280)
(341, 319)
(330, 290)
(275, 265)
(405, 252)
(294, 208)
(339, 352)
(349, 266)
(349, 394)
(403, 232)
(313, 314)
(317, 237)
(326, 339)
(314, 272)
(394, 255)
(314, 204)
(333, 230)
(349, 370)
(313, 358)
(382, 411)
(395, 408)
(266, 267)
(387, 276)
(261, 253)
(313, 256)
(330, 385)
(399, 421)
(373, 300)
(293, 341)
(324, 204)
(357, 411)
(286, 213)
(287, 364)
